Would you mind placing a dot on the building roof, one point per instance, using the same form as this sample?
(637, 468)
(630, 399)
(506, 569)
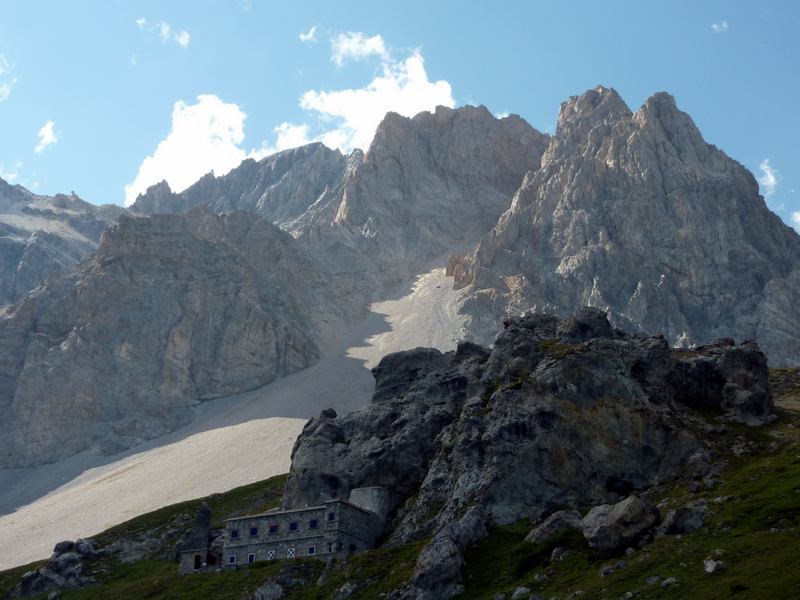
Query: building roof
(276, 511)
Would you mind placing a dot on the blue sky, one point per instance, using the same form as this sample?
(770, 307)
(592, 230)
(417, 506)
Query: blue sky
(90, 90)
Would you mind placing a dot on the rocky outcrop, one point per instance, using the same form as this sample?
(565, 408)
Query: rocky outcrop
(636, 214)
(170, 310)
(279, 188)
(40, 235)
(559, 413)
(64, 570)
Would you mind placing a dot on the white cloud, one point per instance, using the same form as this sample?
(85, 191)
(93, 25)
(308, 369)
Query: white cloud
(768, 179)
(6, 82)
(403, 87)
(165, 32)
(205, 136)
(208, 135)
(356, 45)
(10, 175)
(720, 27)
(47, 137)
(796, 220)
(134, 60)
(309, 36)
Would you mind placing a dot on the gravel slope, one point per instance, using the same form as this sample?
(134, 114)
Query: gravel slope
(232, 442)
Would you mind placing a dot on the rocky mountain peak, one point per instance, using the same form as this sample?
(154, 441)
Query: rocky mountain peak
(637, 214)
(589, 109)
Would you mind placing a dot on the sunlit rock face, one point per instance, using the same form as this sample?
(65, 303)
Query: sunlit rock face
(636, 214)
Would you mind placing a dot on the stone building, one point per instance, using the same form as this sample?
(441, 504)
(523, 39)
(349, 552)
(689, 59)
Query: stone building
(332, 527)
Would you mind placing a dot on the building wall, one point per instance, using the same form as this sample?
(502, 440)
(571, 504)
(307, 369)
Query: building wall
(350, 530)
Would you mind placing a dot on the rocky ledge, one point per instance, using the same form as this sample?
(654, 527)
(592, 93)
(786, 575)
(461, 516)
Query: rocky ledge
(559, 414)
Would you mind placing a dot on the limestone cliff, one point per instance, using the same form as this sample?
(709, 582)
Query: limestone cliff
(171, 309)
(636, 214)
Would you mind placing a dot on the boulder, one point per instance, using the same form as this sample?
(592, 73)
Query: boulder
(684, 519)
(555, 524)
(611, 527)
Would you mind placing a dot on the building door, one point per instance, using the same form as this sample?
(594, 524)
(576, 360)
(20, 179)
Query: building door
(198, 561)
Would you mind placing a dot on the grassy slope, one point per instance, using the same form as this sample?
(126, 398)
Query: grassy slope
(751, 529)
(758, 530)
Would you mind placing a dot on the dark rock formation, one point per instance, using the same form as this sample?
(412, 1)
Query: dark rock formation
(64, 570)
(558, 414)
(636, 214)
(40, 235)
(170, 310)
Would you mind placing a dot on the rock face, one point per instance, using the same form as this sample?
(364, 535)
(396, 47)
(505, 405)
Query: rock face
(427, 185)
(279, 188)
(40, 235)
(559, 413)
(170, 310)
(636, 214)
(64, 570)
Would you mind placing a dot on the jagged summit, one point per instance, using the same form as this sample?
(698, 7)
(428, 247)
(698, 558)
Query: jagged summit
(635, 213)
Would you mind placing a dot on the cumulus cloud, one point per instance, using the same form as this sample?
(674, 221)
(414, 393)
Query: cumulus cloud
(402, 87)
(164, 31)
(11, 174)
(208, 135)
(720, 27)
(796, 220)
(205, 136)
(356, 46)
(47, 137)
(768, 180)
(309, 36)
(6, 81)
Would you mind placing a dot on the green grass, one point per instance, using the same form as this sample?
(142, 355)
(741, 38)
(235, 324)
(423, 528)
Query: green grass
(10, 578)
(758, 530)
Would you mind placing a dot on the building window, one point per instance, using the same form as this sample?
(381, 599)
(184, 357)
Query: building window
(251, 558)
(273, 528)
(232, 559)
(253, 531)
(290, 553)
(293, 526)
(352, 547)
(234, 534)
(330, 547)
(312, 524)
(270, 554)
(312, 550)
(331, 516)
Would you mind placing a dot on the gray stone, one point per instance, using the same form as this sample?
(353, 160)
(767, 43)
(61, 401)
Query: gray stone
(684, 519)
(608, 528)
(669, 581)
(555, 524)
(711, 566)
(520, 592)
